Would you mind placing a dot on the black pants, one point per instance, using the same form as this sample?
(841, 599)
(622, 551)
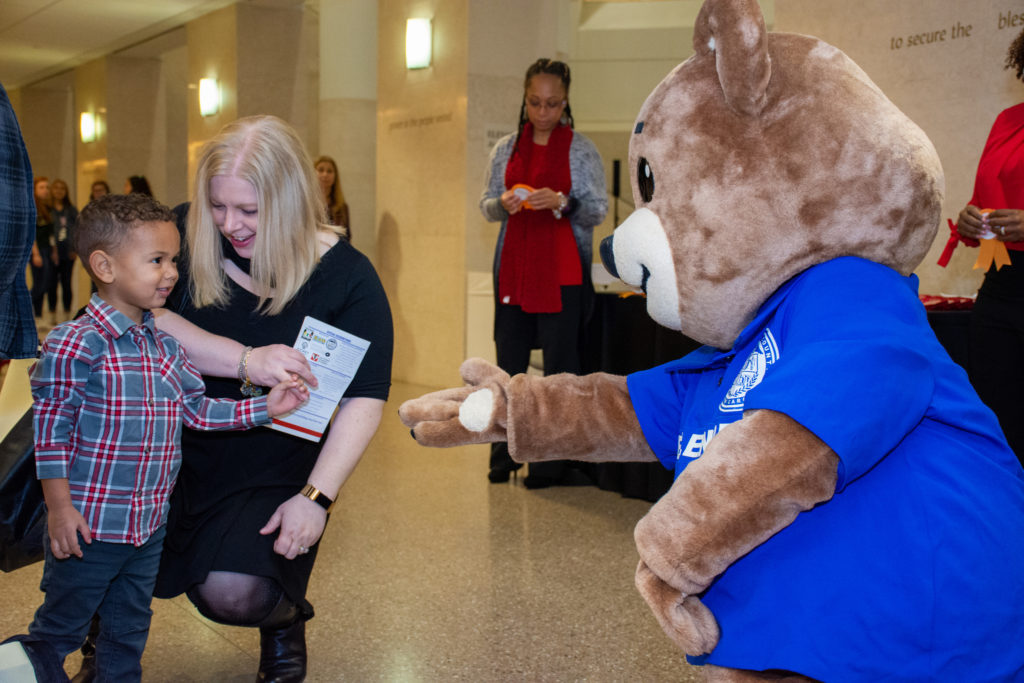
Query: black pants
(44, 285)
(63, 278)
(557, 335)
(995, 370)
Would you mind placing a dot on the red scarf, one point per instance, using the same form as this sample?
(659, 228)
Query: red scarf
(530, 273)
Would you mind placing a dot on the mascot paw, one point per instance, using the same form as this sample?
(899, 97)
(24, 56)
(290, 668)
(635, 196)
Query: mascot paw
(684, 618)
(475, 413)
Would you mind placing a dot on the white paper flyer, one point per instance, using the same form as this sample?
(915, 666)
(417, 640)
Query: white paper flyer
(334, 356)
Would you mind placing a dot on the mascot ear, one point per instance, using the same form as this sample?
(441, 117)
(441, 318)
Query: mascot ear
(733, 32)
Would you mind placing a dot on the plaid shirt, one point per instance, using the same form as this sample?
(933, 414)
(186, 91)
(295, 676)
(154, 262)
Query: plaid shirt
(110, 397)
(18, 337)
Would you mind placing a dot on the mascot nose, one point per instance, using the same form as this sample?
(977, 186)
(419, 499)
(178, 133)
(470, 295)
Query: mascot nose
(608, 255)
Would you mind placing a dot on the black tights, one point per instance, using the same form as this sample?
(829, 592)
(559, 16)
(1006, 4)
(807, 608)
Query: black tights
(230, 598)
(243, 600)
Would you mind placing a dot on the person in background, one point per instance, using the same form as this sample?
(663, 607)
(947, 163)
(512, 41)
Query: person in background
(18, 337)
(242, 541)
(546, 185)
(996, 333)
(44, 254)
(64, 215)
(97, 376)
(98, 189)
(137, 183)
(334, 198)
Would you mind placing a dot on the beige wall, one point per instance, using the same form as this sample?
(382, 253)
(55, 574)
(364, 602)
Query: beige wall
(953, 88)
(348, 109)
(212, 53)
(265, 61)
(421, 183)
(46, 116)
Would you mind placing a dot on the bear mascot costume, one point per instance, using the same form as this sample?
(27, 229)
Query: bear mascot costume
(844, 507)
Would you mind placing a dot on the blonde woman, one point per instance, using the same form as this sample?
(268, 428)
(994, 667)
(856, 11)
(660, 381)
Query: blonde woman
(334, 198)
(250, 507)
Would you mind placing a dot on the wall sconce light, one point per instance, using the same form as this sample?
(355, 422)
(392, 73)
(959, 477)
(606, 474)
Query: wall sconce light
(417, 43)
(87, 126)
(209, 96)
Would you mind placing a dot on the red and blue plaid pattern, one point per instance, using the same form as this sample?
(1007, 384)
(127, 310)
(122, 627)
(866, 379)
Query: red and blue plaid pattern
(110, 398)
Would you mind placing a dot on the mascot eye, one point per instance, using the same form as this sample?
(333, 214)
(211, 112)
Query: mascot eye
(645, 179)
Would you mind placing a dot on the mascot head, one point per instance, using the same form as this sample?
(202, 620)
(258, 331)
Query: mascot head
(760, 156)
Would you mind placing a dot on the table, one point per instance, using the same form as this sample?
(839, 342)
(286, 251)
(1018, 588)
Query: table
(620, 339)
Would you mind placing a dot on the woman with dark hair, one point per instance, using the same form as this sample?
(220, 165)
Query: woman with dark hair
(545, 184)
(996, 211)
(137, 183)
(334, 198)
(64, 217)
(98, 189)
(44, 253)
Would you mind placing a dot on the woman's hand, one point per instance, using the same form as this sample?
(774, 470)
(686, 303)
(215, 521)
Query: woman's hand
(37, 260)
(269, 365)
(1007, 224)
(544, 198)
(511, 201)
(969, 223)
(301, 522)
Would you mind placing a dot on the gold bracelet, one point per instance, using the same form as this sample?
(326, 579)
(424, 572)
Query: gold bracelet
(248, 388)
(317, 496)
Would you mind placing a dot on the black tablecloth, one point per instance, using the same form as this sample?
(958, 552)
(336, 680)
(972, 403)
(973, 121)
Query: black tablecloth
(621, 338)
(951, 329)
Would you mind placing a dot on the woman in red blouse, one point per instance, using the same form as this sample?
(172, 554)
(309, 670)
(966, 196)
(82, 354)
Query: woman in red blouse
(997, 321)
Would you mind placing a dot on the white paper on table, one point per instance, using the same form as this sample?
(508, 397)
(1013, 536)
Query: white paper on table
(334, 356)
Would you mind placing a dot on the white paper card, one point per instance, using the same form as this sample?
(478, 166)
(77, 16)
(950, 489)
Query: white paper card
(334, 356)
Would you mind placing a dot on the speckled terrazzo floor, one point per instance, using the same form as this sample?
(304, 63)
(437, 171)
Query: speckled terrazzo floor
(429, 573)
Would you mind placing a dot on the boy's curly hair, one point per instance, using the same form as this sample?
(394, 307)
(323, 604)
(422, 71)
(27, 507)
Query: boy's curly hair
(105, 222)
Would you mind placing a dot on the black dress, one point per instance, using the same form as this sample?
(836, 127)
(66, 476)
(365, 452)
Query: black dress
(232, 482)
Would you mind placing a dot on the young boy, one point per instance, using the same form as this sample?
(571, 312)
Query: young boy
(111, 392)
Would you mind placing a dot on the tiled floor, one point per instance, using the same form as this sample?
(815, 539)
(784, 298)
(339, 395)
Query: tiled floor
(429, 573)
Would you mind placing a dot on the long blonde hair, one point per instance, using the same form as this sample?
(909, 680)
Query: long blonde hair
(266, 152)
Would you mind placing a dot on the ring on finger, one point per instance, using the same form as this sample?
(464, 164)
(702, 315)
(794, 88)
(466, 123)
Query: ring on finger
(303, 549)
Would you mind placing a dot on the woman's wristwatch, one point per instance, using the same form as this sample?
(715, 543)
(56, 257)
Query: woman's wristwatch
(317, 496)
(563, 202)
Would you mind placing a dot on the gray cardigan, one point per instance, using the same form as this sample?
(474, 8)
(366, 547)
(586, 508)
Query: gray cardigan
(588, 189)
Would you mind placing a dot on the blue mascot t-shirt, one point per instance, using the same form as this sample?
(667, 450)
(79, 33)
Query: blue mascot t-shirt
(915, 569)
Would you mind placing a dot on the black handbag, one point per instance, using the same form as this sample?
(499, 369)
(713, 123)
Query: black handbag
(22, 510)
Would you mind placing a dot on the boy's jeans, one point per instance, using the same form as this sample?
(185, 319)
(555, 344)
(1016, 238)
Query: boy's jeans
(114, 580)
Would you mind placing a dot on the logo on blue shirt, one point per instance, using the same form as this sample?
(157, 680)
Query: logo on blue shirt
(764, 354)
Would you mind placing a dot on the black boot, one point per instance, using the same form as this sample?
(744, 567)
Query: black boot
(87, 672)
(283, 644)
(283, 653)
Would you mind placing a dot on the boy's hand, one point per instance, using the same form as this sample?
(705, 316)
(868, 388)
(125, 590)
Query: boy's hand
(64, 523)
(287, 396)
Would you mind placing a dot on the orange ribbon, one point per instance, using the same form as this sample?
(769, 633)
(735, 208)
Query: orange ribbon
(992, 250)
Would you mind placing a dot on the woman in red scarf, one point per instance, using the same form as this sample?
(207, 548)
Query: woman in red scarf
(546, 185)
(997, 321)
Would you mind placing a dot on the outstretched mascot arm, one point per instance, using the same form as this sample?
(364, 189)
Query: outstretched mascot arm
(753, 480)
(558, 417)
